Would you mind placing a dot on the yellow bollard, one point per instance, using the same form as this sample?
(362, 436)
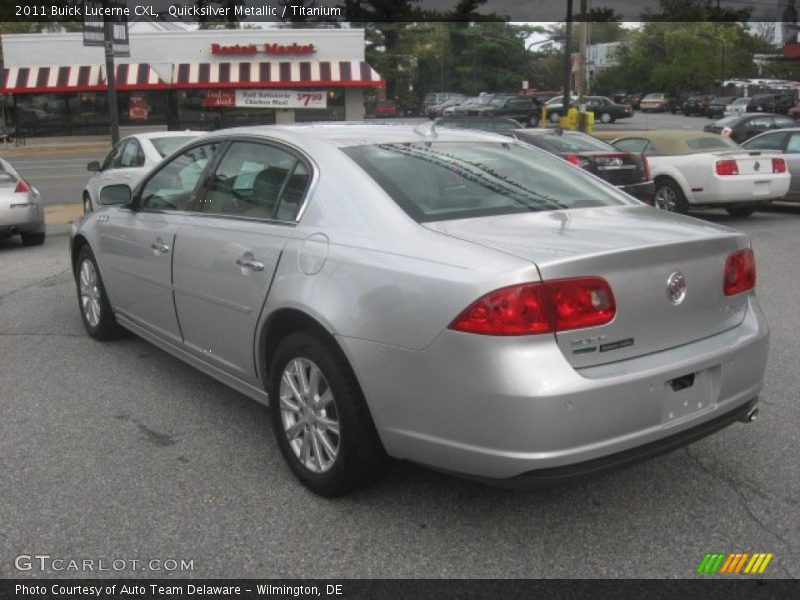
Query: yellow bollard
(570, 121)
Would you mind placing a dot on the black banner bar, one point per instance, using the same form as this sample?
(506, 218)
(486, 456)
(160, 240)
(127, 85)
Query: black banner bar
(708, 588)
(233, 12)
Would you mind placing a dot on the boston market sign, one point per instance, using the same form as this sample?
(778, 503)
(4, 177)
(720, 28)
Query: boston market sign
(274, 49)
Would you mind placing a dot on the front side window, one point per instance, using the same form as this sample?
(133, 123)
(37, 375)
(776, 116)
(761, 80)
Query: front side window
(112, 158)
(457, 180)
(131, 155)
(257, 180)
(172, 187)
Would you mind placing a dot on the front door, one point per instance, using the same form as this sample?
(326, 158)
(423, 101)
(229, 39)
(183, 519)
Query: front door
(137, 245)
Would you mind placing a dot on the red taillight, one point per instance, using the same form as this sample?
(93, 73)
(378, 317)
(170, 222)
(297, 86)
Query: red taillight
(740, 272)
(778, 165)
(574, 159)
(726, 132)
(22, 187)
(727, 167)
(532, 308)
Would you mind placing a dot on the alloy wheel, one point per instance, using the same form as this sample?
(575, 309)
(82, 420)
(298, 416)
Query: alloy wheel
(666, 199)
(308, 414)
(90, 293)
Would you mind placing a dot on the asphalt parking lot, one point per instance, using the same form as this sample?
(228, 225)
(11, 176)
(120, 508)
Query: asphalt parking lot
(119, 451)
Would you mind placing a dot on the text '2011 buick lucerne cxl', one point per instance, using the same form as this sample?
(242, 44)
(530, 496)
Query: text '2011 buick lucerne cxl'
(453, 298)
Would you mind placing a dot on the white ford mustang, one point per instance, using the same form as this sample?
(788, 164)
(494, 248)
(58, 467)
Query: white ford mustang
(693, 169)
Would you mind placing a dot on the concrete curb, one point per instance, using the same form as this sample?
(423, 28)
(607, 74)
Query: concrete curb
(62, 214)
(100, 149)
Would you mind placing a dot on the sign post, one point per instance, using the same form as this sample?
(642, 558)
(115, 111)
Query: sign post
(112, 34)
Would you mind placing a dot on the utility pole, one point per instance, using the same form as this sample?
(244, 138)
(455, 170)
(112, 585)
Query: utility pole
(567, 59)
(582, 85)
(111, 79)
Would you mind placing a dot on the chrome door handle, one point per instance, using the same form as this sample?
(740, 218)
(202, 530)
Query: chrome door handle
(249, 263)
(160, 247)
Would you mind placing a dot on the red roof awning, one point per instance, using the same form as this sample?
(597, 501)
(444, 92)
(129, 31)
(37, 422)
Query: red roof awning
(67, 78)
(276, 74)
(77, 78)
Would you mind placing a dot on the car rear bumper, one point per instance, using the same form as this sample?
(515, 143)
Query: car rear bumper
(644, 191)
(26, 216)
(742, 189)
(499, 408)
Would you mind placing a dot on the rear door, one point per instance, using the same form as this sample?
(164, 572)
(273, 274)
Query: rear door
(227, 254)
(136, 246)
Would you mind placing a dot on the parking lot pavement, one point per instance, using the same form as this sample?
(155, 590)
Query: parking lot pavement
(117, 450)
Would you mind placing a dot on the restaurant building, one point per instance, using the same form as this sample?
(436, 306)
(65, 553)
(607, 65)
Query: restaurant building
(182, 79)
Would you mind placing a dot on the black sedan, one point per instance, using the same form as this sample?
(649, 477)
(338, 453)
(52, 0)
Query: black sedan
(716, 108)
(626, 170)
(524, 109)
(742, 127)
(605, 110)
(696, 105)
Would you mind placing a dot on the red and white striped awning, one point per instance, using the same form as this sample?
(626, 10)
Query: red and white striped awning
(77, 78)
(69, 78)
(276, 74)
(137, 76)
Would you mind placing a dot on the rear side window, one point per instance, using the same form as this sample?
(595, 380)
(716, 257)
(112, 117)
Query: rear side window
(636, 145)
(439, 181)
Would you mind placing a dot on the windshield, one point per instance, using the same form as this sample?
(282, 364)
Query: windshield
(732, 120)
(498, 101)
(167, 145)
(438, 181)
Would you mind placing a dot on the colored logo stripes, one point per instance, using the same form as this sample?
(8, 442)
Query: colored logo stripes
(734, 564)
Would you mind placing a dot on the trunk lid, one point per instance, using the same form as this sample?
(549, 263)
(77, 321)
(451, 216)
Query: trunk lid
(636, 249)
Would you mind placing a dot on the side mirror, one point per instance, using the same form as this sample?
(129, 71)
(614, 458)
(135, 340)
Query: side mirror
(115, 194)
(93, 166)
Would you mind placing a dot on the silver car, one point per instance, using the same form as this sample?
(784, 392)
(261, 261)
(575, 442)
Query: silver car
(452, 298)
(129, 161)
(786, 141)
(21, 209)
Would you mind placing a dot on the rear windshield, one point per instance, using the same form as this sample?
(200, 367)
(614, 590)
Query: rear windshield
(732, 120)
(710, 143)
(166, 145)
(570, 142)
(438, 181)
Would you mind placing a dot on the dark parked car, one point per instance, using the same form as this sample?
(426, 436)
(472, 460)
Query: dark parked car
(491, 124)
(437, 110)
(742, 127)
(626, 170)
(435, 98)
(524, 109)
(716, 108)
(696, 105)
(605, 110)
(770, 103)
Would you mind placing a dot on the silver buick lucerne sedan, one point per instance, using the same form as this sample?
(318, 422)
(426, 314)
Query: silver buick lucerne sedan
(453, 298)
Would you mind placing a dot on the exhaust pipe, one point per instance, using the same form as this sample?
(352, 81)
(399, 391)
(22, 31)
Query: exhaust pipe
(751, 415)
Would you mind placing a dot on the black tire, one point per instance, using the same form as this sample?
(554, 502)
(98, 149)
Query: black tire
(606, 118)
(32, 239)
(360, 458)
(741, 211)
(669, 189)
(106, 327)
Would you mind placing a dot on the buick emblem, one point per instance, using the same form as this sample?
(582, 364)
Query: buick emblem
(757, 166)
(676, 287)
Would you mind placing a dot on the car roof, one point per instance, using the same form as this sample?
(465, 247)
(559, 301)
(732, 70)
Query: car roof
(152, 135)
(343, 133)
